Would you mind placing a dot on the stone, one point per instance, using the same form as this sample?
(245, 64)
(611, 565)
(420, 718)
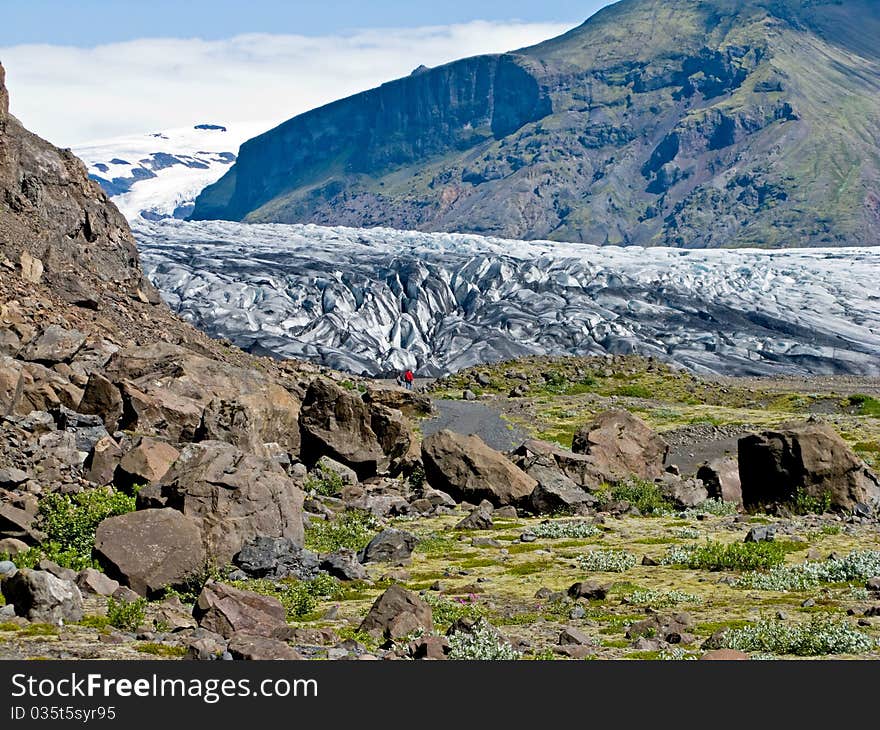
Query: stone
(761, 533)
(429, 647)
(12, 547)
(102, 462)
(408, 402)
(102, 398)
(7, 569)
(327, 468)
(809, 458)
(344, 565)
(87, 430)
(50, 566)
(469, 470)
(389, 546)
(873, 584)
(721, 479)
(54, 344)
(228, 611)
(397, 613)
(556, 493)
(572, 635)
(590, 590)
(724, 655)
(233, 497)
(150, 550)
(31, 267)
(146, 463)
(94, 581)
(479, 519)
(260, 648)
(621, 445)
(19, 524)
(276, 558)
(161, 411)
(40, 597)
(10, 477)
(535, 457)
(683, 493)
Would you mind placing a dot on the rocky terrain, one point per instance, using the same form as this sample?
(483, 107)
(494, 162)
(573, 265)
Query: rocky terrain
(378, 301)
(687, 124)
(165, 495)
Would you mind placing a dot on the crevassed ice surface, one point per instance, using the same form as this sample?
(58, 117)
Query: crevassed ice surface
(378, 300)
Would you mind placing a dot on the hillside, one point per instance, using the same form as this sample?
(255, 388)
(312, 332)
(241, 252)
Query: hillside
(684, 123)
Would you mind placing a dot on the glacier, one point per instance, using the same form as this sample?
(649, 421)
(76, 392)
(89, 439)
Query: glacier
(376, 301)
(159, 175)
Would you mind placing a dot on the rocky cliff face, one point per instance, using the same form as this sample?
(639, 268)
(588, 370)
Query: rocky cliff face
(684, 123)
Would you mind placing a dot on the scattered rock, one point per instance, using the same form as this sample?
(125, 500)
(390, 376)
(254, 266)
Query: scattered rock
(724, 655)
(591, 590)
(343, 564)
(389, 546)
(41, 597)
(479, 519)
(229, 611)
(276, 557)
(683, 493)
(147, 463)
(260, 648)
(397, 613)
(761, 533)
(94, 581)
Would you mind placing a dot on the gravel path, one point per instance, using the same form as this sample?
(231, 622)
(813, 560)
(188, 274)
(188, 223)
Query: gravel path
(467, 417)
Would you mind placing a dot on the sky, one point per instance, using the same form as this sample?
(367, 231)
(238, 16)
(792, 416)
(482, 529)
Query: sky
(95, 69)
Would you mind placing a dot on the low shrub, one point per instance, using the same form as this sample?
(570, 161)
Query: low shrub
(127, 616)
(299, 597)
(645, 496)
(734, 556)
(352, 529)
(820, 636)
(857, 565)
(607, 561)
(483, 643)
(574, 529)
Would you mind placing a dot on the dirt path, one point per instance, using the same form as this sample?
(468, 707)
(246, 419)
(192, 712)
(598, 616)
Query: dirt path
(467, 417)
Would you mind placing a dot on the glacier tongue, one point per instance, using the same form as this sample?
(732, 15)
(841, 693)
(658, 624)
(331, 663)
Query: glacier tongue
(377, 300)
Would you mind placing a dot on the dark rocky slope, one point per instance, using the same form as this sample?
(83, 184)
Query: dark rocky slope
(684, 123)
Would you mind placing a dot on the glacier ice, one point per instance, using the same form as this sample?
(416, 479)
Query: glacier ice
(378, 300)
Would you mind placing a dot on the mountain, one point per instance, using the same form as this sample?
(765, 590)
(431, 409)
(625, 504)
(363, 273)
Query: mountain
(376, 301)
(688, 123)
(159, 175)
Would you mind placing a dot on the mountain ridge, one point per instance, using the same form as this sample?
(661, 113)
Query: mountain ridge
(689, 124)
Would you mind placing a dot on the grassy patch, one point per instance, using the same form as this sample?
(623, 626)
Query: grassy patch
(126, 616)
(299, 598)
(737, 556)
(352, 529)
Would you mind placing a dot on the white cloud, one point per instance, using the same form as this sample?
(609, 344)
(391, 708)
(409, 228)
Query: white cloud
(71, 95)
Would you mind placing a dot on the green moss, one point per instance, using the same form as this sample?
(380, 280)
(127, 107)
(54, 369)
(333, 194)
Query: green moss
(162, 650)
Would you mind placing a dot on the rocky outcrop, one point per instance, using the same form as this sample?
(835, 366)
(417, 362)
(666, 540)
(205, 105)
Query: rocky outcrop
(805, 458)
(369, 438)
(721, 477)
(468, 470)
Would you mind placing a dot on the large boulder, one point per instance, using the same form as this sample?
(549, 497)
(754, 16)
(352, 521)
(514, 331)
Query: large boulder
(146, 463)
(469, 470)
(26, 387)
(396, 614)
(276, 558)
(537, 457)
(102, 398)
(233, 497)
(337, 423)
(721, 477)
(151, 549)
(621, 445)
(810, 458)
(683, 493)
(39, 596)
(389, 546)
(226, 611)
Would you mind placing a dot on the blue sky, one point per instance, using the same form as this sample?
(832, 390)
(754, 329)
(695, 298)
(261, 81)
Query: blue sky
(85, 70)
(92, 22)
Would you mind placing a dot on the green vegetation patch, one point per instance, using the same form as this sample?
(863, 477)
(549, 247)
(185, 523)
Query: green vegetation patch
(352, 529)
(820, 636)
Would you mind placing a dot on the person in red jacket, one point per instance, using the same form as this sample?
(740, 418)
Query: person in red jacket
(408, 378)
